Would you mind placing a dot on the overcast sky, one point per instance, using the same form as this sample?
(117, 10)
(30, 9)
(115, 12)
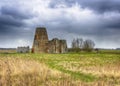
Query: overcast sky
(98, 20)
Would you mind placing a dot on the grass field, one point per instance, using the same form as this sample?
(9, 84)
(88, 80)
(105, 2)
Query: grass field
(72, 69)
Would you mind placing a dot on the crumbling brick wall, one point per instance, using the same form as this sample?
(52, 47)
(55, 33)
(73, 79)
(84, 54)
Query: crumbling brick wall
(41, 43)
(40, 40)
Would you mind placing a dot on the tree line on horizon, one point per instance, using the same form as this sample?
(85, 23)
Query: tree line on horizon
(78, 44)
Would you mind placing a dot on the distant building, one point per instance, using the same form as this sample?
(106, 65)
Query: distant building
(41, 43)
(23, 49)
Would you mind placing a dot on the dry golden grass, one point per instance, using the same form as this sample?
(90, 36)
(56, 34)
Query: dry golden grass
(107, 70)
(20, 72)
(25, 72)
(108, 74)
(7, 51)
(36, 70)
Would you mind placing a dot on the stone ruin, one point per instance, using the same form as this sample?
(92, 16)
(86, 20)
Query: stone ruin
(57, 46)
(23, 49)
(41, 43)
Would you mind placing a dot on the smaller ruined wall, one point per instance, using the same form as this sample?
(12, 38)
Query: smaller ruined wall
(23, 49)
(63, 46)
(57, 46)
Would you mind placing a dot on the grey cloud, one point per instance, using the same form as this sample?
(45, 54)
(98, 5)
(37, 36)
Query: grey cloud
(113, 24)
(12, 24)
(16, 13)
(99, 6)
(55, 3)
(11, 19)
(6, 20)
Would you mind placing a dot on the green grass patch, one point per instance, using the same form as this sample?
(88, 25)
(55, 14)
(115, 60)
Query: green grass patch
(74, 75)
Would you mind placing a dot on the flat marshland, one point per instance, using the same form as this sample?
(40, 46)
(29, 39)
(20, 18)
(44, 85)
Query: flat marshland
(72, 69)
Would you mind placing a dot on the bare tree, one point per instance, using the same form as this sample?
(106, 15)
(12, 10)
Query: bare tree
(77, 43)
(88, 45)
(74, 43)
(80, 43)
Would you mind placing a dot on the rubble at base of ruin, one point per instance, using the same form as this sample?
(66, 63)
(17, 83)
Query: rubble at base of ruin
(41, 43)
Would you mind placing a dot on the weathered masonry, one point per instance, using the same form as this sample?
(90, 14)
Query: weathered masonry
(40, 40)
(41, 43)
(57, 46)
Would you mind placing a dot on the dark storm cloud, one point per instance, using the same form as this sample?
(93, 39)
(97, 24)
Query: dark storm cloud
(12, 19)
(13, 25)
(16, 13)
(114, 23)
(99, 6)
(7, 20)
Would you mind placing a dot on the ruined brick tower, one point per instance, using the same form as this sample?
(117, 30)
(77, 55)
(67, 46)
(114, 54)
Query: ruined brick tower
(41, 43)
(40, 40)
